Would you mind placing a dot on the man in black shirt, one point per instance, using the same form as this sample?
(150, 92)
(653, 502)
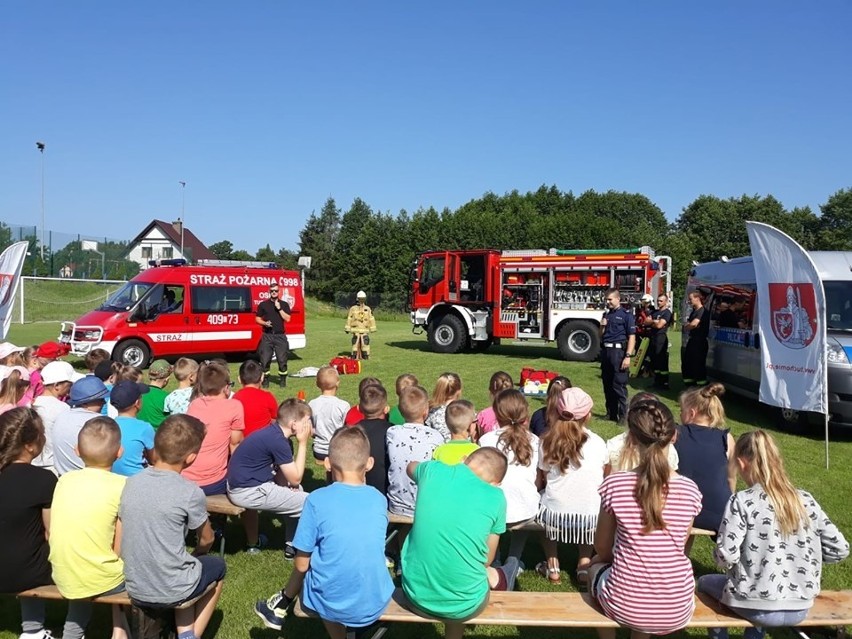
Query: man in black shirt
(271, 315)
(659, 322)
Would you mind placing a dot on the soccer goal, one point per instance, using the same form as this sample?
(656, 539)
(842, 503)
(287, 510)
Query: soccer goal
(55, 299)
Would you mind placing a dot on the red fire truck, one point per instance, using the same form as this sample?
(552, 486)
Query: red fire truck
(175, 309)
(472, 299)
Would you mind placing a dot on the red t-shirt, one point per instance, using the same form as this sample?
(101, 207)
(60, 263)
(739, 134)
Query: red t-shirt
(261, 407)
(651, 586)
(354, 416)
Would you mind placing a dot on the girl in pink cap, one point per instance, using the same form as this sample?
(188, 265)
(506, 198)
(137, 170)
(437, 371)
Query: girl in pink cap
(570, 471)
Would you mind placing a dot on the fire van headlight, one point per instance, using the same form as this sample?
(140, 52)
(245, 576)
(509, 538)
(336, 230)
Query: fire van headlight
(836, 354)
(90, 336)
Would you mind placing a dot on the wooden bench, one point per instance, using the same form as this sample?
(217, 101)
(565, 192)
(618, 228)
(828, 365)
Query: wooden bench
(221, 505)
(578, 610)
(527, 525)
(144, 623)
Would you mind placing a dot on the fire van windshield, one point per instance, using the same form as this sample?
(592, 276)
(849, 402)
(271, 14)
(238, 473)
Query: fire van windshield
(126, 297)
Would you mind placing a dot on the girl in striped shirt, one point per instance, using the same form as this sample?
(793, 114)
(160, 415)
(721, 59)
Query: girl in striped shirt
(640, 575)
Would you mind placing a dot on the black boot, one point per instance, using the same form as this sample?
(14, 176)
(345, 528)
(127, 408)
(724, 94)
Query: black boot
(282, 380)
(265, 382)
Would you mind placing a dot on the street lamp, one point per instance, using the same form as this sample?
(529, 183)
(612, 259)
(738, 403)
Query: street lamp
(40, 147)
(182, 207)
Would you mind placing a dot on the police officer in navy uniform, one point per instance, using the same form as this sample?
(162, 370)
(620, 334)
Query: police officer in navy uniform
(618, 338)
(659, 322)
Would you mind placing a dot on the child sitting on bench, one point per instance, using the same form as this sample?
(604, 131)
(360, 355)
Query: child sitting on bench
(26, 495)
(776, 584)
(265, 474)
(85, 533)
(640, 575)
(331, 549)
(460, 513)
(158, 505)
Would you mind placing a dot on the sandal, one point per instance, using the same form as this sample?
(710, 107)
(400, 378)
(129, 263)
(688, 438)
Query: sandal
(552, 575)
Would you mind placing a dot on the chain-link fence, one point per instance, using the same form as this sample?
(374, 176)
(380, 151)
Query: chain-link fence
(70, 255)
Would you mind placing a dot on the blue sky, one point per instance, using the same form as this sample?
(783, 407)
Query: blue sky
(265, 109)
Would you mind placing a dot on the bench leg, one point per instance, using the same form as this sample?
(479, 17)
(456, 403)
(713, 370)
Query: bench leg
(148, 623)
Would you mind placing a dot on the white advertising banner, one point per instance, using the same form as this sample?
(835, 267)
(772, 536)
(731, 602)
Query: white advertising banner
(791, 312)
(11, 263)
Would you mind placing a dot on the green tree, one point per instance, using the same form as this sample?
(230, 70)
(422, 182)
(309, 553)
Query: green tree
(835, 223)
(318, 239)
(266, 254)
(223, 250)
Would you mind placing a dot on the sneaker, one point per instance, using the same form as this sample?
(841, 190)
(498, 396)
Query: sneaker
(271, 616)
(260, 545)
(289, 552)
(44, 633)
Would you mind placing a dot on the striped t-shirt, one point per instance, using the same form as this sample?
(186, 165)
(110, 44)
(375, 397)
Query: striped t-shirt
(651, 586)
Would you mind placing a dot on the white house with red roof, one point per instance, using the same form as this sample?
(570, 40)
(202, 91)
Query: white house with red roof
(164, 241)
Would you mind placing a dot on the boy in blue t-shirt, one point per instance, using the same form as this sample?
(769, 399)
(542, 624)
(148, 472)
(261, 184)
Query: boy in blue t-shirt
(330, 551)
(137, 436)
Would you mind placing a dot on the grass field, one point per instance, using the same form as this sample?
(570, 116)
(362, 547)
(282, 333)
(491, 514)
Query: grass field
(397, 350)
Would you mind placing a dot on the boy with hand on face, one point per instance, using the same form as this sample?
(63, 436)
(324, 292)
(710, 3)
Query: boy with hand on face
(328, 554)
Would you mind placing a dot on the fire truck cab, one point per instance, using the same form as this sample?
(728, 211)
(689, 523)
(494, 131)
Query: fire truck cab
(472, 299)
(173, 309)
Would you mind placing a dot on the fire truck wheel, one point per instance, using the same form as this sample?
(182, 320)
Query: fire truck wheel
(133, 352)
(448, 335)
(578, 341)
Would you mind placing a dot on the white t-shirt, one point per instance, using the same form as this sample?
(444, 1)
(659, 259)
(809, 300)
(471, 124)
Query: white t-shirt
(48, 408)
(615, 445)
(328, 414)
(576, 490)
(522, 497)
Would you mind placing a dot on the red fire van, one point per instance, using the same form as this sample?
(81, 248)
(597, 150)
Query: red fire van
(174, 309)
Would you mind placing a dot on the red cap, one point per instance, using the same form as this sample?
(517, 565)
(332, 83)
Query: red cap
(51, 350)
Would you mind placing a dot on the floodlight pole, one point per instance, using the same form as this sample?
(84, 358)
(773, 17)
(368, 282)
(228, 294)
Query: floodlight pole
(40, 146)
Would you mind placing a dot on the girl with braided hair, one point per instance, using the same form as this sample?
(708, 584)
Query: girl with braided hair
(26, 494)
(640, 575)
(705, 450)
(772, 543)
(514, 439)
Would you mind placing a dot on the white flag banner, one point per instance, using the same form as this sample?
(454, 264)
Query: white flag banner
(791, 318)
(11, 263)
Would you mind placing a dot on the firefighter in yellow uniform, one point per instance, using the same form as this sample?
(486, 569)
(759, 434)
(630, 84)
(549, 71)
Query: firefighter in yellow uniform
(360, 322)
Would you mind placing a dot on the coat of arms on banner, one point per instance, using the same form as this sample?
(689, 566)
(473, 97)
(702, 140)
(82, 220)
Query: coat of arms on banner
(794, 316)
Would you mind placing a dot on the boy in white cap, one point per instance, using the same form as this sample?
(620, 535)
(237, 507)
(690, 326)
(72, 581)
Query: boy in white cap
(57, 378)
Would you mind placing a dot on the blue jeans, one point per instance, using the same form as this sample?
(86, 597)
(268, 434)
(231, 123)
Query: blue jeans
(714, 585)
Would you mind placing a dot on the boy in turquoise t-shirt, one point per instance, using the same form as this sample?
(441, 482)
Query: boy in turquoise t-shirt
(460, 512)
(331, 550)
(461, 420)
